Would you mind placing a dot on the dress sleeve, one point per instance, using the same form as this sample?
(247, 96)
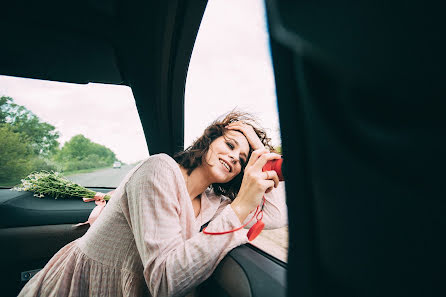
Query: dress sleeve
(275, 212)
(173, 264)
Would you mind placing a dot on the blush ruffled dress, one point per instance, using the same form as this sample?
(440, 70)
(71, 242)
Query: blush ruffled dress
(147, 240)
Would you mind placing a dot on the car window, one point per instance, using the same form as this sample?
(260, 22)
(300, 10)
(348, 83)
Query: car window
(231, 69)
(73, 129)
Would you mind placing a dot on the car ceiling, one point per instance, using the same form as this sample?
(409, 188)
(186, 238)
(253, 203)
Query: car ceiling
(146, 45)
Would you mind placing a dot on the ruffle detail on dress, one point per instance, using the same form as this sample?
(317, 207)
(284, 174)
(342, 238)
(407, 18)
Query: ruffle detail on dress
(70, 273)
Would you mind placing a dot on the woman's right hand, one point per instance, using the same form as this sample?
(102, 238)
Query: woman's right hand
(255, 183)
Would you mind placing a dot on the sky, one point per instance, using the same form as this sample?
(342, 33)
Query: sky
(230, 69)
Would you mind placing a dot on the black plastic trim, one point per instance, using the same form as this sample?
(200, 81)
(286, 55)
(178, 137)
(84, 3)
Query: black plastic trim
(20, 209)
(266, 276)
(267, 255)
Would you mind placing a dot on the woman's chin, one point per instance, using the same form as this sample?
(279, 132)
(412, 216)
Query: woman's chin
(222, 178)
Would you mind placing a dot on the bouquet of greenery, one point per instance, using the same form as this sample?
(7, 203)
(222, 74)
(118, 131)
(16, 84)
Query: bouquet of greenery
(55, 185)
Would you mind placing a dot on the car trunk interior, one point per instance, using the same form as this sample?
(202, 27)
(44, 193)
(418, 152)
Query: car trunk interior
(360, 88)
(142, 44)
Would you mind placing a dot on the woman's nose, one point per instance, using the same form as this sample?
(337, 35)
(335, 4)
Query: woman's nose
(234, 160)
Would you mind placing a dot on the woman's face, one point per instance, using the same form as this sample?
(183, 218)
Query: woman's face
(226, 156)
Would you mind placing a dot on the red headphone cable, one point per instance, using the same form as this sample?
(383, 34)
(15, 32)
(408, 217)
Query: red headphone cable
(253, 231)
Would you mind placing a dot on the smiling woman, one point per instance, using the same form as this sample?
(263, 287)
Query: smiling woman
(153, 220)
(148, 238)
(231, 68)
(218, 137)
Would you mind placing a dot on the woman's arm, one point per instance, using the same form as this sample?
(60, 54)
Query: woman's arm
(255, 183)
(275, 213)
(173, 263)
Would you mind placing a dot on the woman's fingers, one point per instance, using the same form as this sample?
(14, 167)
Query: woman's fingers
(255, 182)
(272, 175)
(258, 160)
(269, 185)
(263, 158)
(249, 133)
(237, 126)
(256, 155)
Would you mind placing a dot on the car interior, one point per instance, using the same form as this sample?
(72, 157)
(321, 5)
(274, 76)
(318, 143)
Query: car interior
(361, 104)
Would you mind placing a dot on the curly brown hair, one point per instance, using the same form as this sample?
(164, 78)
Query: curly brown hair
(193, 156)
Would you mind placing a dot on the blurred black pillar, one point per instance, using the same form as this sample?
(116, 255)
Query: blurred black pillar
(362, 103)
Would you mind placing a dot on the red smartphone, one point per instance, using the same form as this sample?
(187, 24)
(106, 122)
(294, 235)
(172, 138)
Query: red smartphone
(275, 165)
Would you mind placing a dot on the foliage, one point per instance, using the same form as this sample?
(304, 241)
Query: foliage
(40, 163)
(16, 155)
(81, 153)
(7, 107)
(28, 144)
(41, 135)
(55, 185)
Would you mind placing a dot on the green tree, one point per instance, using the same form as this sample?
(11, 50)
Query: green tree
(6, 108)
(81, 153)
(16, 157)
(41, 135)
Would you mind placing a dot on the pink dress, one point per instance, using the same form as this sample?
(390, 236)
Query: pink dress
(146, 242)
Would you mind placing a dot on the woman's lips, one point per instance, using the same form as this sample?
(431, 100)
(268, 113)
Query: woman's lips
(225, 165)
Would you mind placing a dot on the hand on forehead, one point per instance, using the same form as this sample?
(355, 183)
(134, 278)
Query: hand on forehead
(249, 132)
(240, 139)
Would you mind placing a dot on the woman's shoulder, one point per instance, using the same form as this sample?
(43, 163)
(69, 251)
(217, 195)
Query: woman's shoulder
(159, 164)
(162, 159)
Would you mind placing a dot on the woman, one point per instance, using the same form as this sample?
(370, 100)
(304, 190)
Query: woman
(147, 241)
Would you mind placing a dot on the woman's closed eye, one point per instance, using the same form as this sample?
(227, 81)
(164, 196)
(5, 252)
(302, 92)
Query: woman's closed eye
(240, 160)
(230, 145)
